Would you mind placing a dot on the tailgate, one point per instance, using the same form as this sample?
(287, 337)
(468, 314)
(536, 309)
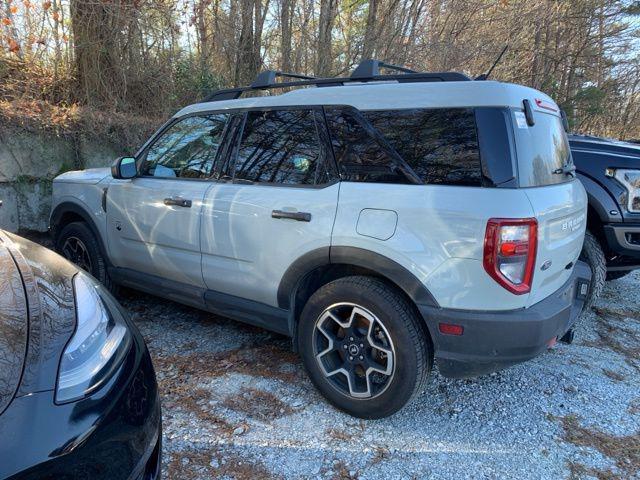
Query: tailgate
(561, 211)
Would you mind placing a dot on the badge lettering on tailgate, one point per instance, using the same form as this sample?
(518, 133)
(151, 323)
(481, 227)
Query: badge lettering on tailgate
(573, 224)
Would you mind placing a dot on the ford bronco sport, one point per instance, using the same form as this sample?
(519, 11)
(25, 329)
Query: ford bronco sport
(381, 221)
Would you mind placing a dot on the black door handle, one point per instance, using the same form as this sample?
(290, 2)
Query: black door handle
(299, 216)
(178, 202)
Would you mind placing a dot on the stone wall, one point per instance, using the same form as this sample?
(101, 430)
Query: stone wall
(29, 160)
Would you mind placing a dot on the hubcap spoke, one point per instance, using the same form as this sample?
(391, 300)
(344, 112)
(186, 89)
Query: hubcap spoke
(76, 251)
(354, 351)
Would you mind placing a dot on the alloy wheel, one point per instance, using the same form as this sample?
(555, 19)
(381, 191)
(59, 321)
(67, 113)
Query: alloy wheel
(76, 251)
(354, 350)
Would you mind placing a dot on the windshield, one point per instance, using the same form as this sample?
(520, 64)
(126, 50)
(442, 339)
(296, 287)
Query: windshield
(541, 149)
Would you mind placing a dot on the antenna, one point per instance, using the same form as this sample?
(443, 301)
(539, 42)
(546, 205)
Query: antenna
(485, 76)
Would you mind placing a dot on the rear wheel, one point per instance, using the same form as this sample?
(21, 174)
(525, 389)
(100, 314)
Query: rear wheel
(77, 243)
(593, 255)
(364, 347)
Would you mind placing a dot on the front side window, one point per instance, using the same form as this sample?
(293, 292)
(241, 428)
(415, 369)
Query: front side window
(280, 146)
(435, 146)
(187, 149)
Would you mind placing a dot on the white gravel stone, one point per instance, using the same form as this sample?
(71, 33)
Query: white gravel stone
(502, 425)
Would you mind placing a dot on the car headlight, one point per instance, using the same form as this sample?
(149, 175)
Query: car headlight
(630, 179)
(97, 347)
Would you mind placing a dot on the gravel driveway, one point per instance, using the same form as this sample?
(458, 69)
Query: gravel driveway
(237, 404)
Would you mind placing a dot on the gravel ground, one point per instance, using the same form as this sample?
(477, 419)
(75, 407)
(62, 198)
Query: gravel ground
(237, 404)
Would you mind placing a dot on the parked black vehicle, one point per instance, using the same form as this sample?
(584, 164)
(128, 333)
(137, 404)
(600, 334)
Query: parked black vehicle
(78, 395)
(610, 172)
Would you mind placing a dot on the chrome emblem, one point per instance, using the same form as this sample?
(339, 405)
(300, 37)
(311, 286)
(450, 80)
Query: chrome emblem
(546, 265)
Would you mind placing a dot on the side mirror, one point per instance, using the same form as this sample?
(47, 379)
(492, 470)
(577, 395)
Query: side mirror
(124, 168)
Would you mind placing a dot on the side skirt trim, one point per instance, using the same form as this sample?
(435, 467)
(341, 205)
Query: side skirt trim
(236, 308)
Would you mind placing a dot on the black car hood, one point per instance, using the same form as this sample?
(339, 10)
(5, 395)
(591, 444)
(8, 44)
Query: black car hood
(13, 327)
(46, 280)
(622, 154)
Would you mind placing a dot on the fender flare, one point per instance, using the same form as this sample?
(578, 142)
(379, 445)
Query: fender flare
(358, 257)
(71, 207)
(600, 200)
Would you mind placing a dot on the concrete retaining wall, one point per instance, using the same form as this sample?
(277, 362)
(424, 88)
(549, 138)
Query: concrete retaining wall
(28, 163)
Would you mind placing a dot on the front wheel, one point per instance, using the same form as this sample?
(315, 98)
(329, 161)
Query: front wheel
(593, 255)
(77, 243)
(364, 347)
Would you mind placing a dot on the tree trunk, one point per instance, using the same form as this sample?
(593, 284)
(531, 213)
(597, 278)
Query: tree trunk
(369, 46)
(286, 18)
(94, 25)
(244, 70)
(328, 12)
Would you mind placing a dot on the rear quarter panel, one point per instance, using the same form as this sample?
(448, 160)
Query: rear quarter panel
(561, 211)
(439, 236)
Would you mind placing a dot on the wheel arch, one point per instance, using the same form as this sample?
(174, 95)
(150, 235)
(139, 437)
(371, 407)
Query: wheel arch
(319, 267)
(601, 203)
(69, 212)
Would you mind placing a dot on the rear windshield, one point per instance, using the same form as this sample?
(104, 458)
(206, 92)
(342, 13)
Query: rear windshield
(541, 149)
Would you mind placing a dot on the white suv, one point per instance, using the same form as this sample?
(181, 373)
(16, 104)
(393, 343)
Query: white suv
(382, 221)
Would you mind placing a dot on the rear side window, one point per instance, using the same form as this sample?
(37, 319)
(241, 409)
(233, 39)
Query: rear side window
(541, 150)
(358, 151)
(280, 146)
(438, 146)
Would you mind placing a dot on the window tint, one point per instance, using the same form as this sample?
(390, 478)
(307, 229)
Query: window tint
(187, 149)
(440, 145)
(360, 156)
(280, 146)
(541, 149)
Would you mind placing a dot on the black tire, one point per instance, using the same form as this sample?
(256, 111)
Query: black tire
(593, 255)
(396, 322)
(615, 275)
(85, 240)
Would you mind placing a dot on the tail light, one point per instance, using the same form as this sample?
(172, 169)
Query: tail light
(510, 252)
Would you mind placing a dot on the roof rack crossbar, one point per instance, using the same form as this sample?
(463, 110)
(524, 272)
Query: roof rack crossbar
(368, 73)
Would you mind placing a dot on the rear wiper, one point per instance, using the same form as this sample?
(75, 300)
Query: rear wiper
(568, 169)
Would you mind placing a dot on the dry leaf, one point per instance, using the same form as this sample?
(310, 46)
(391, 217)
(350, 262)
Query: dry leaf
(13, 46)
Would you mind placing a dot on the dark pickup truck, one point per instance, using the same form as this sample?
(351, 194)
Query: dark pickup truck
(610, 172)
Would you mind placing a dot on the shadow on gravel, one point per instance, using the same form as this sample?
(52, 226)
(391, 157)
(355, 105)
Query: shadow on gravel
(615, 334)
(623, 450)
(193, 464)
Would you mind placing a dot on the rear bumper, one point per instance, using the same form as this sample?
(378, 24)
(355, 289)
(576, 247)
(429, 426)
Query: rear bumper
(495, 340)
(624, 239)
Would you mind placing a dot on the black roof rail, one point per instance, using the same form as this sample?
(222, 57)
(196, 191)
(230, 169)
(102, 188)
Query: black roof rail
(371, 68)
(268, 77)
(367, 71)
